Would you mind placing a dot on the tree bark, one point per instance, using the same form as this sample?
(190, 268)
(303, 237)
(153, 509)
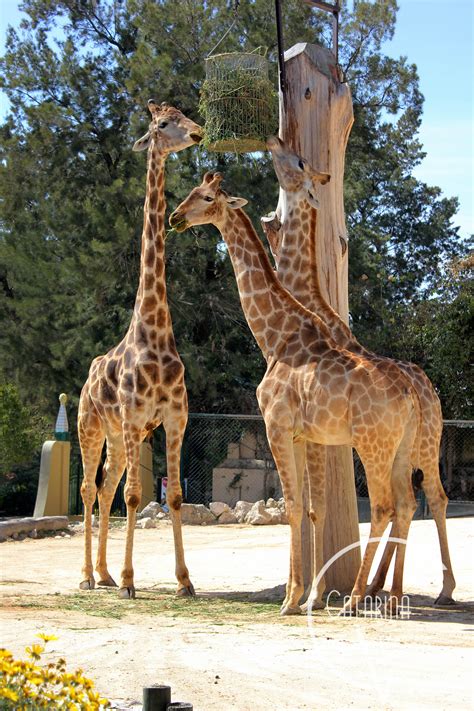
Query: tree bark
(316, 120)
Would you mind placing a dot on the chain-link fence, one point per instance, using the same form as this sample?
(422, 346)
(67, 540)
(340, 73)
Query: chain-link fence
(227, 458)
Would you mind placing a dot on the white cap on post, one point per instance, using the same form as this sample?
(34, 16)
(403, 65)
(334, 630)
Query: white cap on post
(61, 429)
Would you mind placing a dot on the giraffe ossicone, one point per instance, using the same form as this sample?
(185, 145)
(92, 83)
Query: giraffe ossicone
(138, 384)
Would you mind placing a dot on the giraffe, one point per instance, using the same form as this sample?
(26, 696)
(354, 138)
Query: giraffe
(312, 390)
(138, 384)
(291, 233)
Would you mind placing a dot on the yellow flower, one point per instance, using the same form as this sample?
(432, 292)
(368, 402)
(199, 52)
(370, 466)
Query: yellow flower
(8, 694)
(46, 637)
(35, 651)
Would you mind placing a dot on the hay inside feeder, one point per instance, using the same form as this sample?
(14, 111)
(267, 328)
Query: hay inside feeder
(238, 103)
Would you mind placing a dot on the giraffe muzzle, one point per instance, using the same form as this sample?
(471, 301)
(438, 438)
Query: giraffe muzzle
(178, 222)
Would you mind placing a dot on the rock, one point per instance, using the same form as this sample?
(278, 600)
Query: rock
(151, 510)
(12, 526)
(271, 504)
(146, 523)
(33, 533)
(227, 517)
(161, 515)
(275, 514)
(241, 509)
(196, 514)
(258, 515)
(218, 508)
(281, 506)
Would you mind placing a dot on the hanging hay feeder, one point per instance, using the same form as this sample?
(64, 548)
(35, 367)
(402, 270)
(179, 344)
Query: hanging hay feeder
(238, 103)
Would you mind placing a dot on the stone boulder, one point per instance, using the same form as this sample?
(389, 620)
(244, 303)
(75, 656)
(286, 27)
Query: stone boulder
(241, 509)
(151, 510)
(218, 508)
(276, 515)
(271, 504)
(227, 517)
(196, 514)
(146, 523)
(258, 515)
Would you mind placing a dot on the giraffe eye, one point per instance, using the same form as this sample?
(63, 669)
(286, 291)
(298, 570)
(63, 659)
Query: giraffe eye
(208, 199)
(163, 124)
(301, 164)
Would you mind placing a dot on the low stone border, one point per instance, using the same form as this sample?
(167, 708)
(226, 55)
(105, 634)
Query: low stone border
(260, 513)
(14, 527)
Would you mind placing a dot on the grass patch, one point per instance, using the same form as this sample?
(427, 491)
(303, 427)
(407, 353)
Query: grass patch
(105, 603)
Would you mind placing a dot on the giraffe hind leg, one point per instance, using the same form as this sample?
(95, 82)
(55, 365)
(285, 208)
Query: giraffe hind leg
(112, 473)
(438, 503)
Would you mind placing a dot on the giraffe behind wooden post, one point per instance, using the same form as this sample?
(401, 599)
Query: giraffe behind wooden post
(139, 384)
(290, 235)
(313, 390)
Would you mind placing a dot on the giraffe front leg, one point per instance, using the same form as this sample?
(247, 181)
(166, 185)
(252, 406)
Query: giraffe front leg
(132, 494)
(113, 470)
(174, 428)
(289, 458)
(316, 468)
(91, 439)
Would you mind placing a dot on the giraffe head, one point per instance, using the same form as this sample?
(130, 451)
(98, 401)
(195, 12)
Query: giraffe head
(294, 173)
(206, 204)
(169, 129)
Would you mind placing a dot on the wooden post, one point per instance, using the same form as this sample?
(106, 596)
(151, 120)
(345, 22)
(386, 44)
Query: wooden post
(316, 123)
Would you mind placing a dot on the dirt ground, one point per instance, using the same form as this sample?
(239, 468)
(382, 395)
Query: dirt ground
(224, 651)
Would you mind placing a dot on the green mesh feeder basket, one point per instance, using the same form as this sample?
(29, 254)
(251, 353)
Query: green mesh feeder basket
(238, 103)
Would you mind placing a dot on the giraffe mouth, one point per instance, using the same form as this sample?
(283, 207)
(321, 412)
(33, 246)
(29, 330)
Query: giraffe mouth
(178, 222)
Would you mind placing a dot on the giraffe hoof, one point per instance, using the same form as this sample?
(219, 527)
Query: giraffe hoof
(107, 582)
(312, 605)
(88, 584)
(127, 593)
(286, 610)
(444, 601)
(186, 591)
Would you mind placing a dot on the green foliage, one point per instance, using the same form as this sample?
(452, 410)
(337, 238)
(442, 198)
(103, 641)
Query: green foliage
(21, 430)
(78, 76)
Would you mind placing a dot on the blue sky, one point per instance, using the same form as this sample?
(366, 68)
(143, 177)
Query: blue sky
(437, 36)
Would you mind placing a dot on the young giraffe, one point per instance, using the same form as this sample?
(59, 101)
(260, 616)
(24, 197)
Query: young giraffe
(312, 390)
(139, 384)
(295, 254)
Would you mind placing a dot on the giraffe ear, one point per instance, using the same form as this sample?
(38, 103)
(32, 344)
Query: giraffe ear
(142, 143)
(322, 178)
(235, 202)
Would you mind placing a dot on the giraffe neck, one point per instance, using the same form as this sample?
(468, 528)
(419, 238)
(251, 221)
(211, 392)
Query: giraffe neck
(151, 306)
(271, 312)
(298, 269)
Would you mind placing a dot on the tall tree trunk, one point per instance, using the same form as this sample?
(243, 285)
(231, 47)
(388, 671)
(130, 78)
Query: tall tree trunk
(316, 120)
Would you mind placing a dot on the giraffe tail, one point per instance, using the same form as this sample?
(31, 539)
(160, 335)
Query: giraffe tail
(416, 448)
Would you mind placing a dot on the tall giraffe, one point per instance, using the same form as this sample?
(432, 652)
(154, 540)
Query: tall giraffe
(139, 384)
(291, 234)
(312, 390)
